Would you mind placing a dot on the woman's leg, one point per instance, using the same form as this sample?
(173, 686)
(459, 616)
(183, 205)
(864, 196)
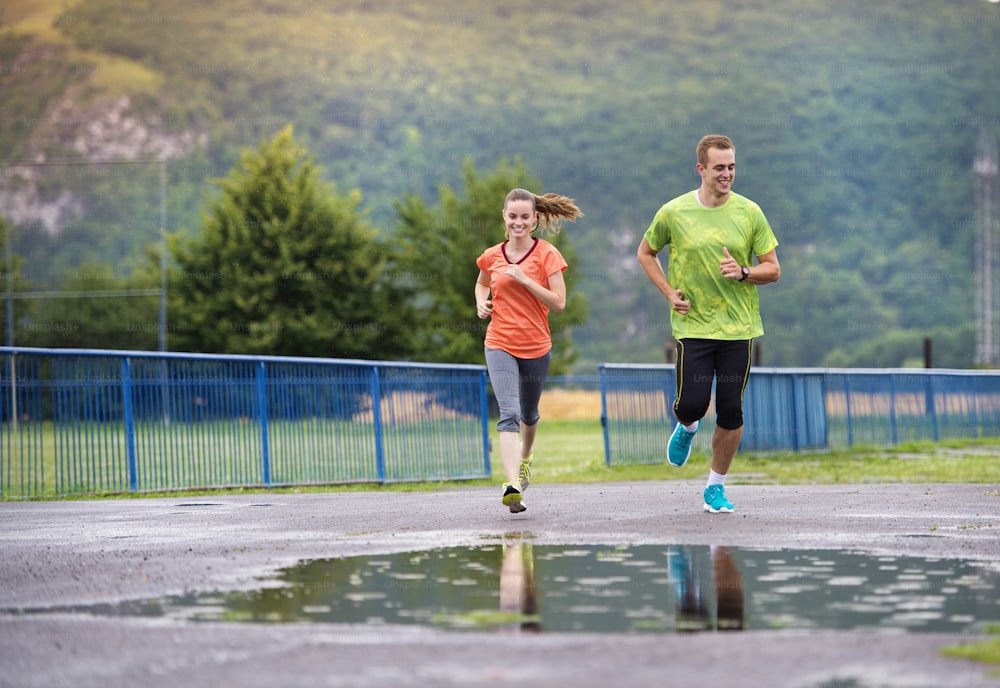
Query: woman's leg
(532, 381)
(505, 378)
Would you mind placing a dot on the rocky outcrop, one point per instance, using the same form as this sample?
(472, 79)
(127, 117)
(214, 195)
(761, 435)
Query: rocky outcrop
(112, 132)
(94, 136)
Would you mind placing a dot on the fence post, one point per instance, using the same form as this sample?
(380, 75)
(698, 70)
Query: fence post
(604, 415)
(930, 406)
(893, 426)
(377, 420)
(127, 419)
(798, 404)
(14, 420)
(262, 405)
(484, 411)
(975, 425)
(847, 405)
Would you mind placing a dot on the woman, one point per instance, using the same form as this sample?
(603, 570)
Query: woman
(520, 281)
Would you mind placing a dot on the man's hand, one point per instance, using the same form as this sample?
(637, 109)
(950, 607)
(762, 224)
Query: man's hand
(729, 267)
(678, 303)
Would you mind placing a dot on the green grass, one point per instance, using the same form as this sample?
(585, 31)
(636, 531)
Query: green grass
(573, 452)
(985, 652)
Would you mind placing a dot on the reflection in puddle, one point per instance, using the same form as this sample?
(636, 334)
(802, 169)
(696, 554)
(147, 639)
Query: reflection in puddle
(518, 591)
(515, 586)
(693, 609)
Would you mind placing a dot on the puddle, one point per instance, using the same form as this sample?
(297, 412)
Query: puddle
(518, 586)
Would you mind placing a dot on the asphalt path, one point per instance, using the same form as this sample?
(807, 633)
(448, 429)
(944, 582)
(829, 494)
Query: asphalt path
(72, 554)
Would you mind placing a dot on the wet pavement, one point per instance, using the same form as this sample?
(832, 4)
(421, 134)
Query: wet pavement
(61, 563)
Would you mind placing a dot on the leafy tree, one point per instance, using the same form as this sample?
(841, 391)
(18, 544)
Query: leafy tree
(807, 293)
(435, 262)
(284, 266)
(97, 306)
(951, 348)
(861, 155)
(12, 281)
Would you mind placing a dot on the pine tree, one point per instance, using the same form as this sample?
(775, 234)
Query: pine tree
(285, 266)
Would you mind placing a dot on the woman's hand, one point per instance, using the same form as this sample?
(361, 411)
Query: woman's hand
(484, 309)
(517, 274)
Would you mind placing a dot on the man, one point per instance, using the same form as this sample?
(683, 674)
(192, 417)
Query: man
(712, 234)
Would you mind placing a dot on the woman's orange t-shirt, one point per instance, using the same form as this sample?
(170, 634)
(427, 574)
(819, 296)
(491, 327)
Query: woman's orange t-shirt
(519, 324)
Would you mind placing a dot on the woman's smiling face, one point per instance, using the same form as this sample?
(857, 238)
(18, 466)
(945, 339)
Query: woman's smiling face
(519, 218)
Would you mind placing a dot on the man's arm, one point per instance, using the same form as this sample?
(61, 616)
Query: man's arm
(650, 262)
(766, 270)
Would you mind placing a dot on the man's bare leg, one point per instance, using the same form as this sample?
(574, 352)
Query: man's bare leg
(724, 446)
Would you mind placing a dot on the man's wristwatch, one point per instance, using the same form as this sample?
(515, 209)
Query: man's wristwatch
(746, 273)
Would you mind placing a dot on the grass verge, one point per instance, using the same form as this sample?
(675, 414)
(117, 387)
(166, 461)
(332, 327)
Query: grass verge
(984, 652)
(573, 452)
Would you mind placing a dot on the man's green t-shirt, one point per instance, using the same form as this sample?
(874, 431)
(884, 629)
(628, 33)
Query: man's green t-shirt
(721, 308)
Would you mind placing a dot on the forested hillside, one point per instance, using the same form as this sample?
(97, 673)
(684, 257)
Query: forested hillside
(855, 122)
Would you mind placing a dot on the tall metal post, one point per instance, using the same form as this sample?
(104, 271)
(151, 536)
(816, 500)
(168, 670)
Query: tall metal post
(8, 254)
(987, 270)
(163, 255)
(9, 266)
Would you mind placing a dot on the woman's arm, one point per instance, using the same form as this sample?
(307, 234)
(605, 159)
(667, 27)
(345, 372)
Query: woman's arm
(554, 297)
(484, 307)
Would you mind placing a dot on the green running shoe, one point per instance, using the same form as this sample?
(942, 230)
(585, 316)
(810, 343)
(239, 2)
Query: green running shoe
(512, 499)
(524, 474)
(715, 500)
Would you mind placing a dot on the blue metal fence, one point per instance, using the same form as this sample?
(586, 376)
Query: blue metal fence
(804, 409)
(88, 421)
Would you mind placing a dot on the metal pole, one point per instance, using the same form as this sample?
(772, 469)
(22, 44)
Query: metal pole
(163, 255)
(164, 395)
(9, 263)
(985, 166)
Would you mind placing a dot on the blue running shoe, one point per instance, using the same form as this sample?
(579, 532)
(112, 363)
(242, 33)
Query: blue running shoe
(715, 500)
(679, 447)
(681, 572)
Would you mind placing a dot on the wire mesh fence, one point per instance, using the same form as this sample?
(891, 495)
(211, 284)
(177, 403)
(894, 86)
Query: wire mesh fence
(95, 421)
(788, 409)
(92, 421)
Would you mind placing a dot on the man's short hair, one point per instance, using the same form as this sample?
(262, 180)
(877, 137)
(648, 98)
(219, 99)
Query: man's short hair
(713, 141)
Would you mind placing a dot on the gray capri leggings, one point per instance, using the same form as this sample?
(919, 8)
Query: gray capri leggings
(517, 383)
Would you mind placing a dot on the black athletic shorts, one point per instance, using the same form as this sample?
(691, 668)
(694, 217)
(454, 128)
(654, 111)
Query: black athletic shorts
(699, 363)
